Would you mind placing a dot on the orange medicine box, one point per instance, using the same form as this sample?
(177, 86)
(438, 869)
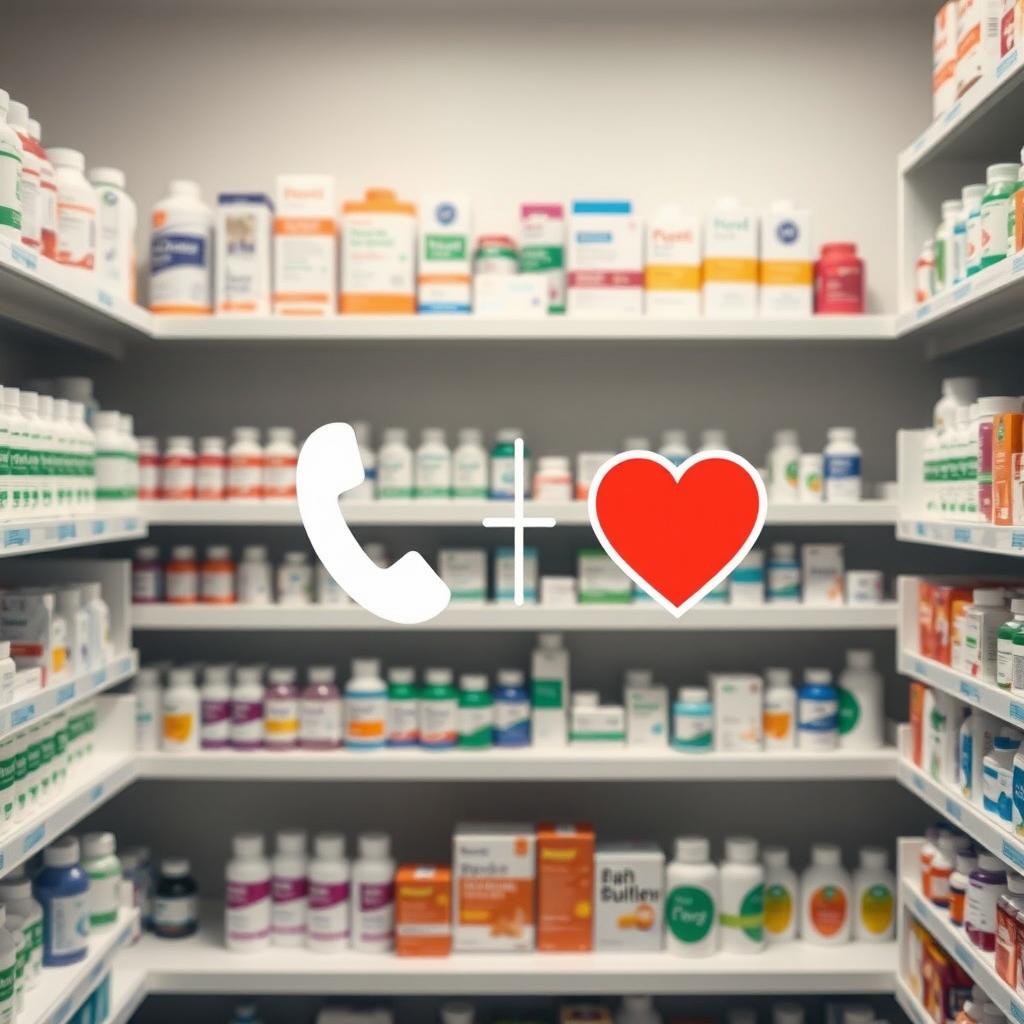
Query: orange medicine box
(423, 910)
(565, 888)
(493, 884)
(1007, 428)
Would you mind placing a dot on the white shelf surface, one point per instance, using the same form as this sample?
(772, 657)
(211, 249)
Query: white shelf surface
(1007, 705)
(571, 764)
(983, 537)
(642, 617)
(60, 991)
(910, 1004)
(470, 513)
(37, 706)
(976, 962)
(970, 818)
(201, 964)
(29, 536)
(127, 992)
(50, 299)
(475, 329)
(92, 783)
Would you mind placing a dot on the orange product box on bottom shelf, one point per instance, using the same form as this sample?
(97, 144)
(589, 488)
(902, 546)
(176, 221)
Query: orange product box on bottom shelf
(565, 888)
(423, 910)
(493, 873)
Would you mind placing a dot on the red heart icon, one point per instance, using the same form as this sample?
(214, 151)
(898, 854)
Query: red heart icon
(677, 531)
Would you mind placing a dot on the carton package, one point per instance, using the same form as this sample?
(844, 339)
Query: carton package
(243, 262)
(672, 269)
(505, 575)
(558, 591)
(646, 716)
(738, 700)
(977, 42)
(629, 897)
(378, 254)
(605, 259)
(600, 580)
(596, 724)
(493, 888)
(1007, 428)
(730, 262)
(37, 635)
(944, 59)
(542, 249)
(305, 245)
(510, 295)
(423, 910)
(565, 888)
(444, 281)
(823, 571)
(1017, 489)
(787, 262)
(464, 570)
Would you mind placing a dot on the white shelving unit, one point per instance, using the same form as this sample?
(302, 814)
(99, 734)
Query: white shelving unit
(992, 540)
(30, 537)
(910, 1004)
(644, 617)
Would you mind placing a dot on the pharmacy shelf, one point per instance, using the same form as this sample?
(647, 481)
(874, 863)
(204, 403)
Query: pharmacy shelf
(39, 705)
(46, 298)
(996, 540)
(26, 538)
(976, 962)
(476, 329)
(971, 819)
(978, 125)
(128, 991)
(910, 1004)
(201, 964)
(532, 764)
(92, 783)
(1006, 705)
(60, 991)
(646, 617)
(470, 513)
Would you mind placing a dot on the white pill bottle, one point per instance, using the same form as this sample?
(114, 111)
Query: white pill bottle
(180, 278)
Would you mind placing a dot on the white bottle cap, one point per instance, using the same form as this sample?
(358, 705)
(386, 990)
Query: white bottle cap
(16, 887)
(842, 434)
(72, 159)
(874, 857)
(291, 841)
(511, 677)
(1014, 882)
(989, 597)
(366, 668)
(5, 649)
(692, 849)
(183, 553)
(639, 678)
(694, 695)
(17, 114)
(246, 435)
(433, 435)
(787, 437)
(329, 846)
(438, 676)
(175, 867)
(859, 658)
(473, 682)
(218, 553)
(107, 176)
(508, 434)
(181, 676)
(374, 846)
(775, 857)
(858, 1013)
(247, 846)
(457, 1013)
(320, 675)
(184, 187)
(281, 435)
(254, 553)
(996, 172)
(282, 675)
(818, 676)
(778, 678)
(550, 641)
(586, 699)
(826, 855)
(471, 435)
(713, 437)
(741, 850)
(395, 435)
(640, 444)
(61, 854)
(249, 675)
(787, 1013)
(674, 439)
(98, 844)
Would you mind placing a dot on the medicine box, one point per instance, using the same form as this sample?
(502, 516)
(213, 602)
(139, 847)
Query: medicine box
(558, 591)
(26, 620)
(605, 259)
(587, 465)
(944, 59)
(672, 269)
(629, 897)
(464, 572)
(505, 575)
(977, 42)
(646, 716)
(423, 910)
(600, 580)
(597, 724)
(738, 702)
(822, 570)
(305, 245)
(493, 888)
(444, 282)
(244, 258)
(510, 295)
(787, 263)
(565, 888)
(730, 262)
(542, 249)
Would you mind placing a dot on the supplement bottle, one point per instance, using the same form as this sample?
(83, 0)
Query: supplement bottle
(31, 179)
(476, 713)
(215, 708)
(181, 712)
(100, 863)
(289, 890)
(178, 470)
(693, 721)
(280, 459)
(952, 211)
(47, 192)
(842, 466)
(432, 468)
(439, 710)
(817, 711)
(248, 906)
(395, 466)
(966, 862)
(175, 900)
(366, 706)
(549, 691)
(971, 219)
(924, 269)
(76, 211)
(839, 280)
(553, 479)
(861, 714)
(779, 710)
(148, 708)
(1000, 184)
(34, 453)
(970, 196)
(327, 922)
(825, 898)
(742, 897)
(1008, 906)
(784, 467)
(217, 576)
(997, 774)
(783, 574)
(9, 964)
(403, 708)
(874, 897)
(116, 219)
(692, 902)
(373, 904)
(211, 469)
(8, 669)
(941, 870)
(511, 709)
(16, 896)
(147, 575)
(320, 710)
(674, 447)
(11, 160)
(247, 697)
(781, 896)
(469, 466)
(281, 709)
(985, 615)
(181, 252)
(985, 884)
(245, 465)
(254, 583)
(62, 889)
(295, 579)
(503, 465)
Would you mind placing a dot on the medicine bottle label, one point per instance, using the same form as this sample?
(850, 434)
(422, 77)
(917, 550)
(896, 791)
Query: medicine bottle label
(842, 477)
(7, 976)
(248, 911)
(693, 731)
(68, 933)
(512, 722)
(218, 586)
(245, 477)
(216, 719)
(366, 721)
(288, 913)
(281, 720)
(179, 725)
(182, 585)
(849, 712)
(246, 723)
(439, 723)
(174, 915)
(876, 909)
(104, 897)
(328, 911)
(403, 722)
(690, 913)
(76, 234)
(376, 902)
(475, 726)
(750, 919)
(279, 476)
(320, 721)
(828, 908)
(778, 909)
(10, 189)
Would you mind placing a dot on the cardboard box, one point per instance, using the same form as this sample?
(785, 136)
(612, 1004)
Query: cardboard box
(464, 570)
(629, 897)
(587, 465)
(918, 692)
(243, 260)
(1017, 483)
(600, 580)
(646, 716)
(26, 619)
(510, 295)
(444, 281)
(595, 723)
(730, 262)
(493, 888)
(977, 42)
(947, 600)
(738, 700)
(423, 910)
(672, 271)
(605, 259)
(927, 645)
(542, 249)
(565, 888)
(944, 59)
(1007, 430)
(787, 263)
(305, 245)
(505, 575)
(823, 571)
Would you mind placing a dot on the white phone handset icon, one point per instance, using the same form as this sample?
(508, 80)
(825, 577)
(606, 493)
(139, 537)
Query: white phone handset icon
(407, 592)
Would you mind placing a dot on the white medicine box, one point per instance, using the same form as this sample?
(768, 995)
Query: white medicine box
(738, 700)
(629, 897)
(605, 259)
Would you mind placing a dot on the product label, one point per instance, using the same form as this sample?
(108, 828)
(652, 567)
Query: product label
(182, 585)
(281, 720)
(475, 726)
(76, 234)
(10, 189)
(104, 897)
(245, 476)
(818, 715)
(248, 910)
(175, 914)
(689, 913)
(211, 473)
(849, 712)
(365, 720)
(778, 909)
(216, 722)
(279, 476)
(376, 902)
(828, 908)
(439, 723)
(246, 723)
(68, 932)
(288, 913)
(512, 722)
(693, 731)
(403, 721)
(328, 911)
(876, 909)
(320, 722)
(750, 919)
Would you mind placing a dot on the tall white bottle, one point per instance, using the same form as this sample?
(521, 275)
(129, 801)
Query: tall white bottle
(874, 897)
(327, 920)
(742, 914)
(861, 715)
(781, 896)
(373, 895)
(825, 898)
(248, 909)
(289, 889)
(549, 691)
(692, 899)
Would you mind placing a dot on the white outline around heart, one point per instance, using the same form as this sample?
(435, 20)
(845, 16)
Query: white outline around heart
(677, 473)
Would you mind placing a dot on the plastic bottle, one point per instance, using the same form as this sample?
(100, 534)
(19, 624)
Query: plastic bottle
(952, 211)
(782, 574)
(245, 465)
(476, 712)
(469, 466)
(295, 579)
(549, 691)
(395, 466)
(781, 896)
(181, 253)
(503, 465)
(635, 1009)
(181, 712)
(817, 711)
(175, 900)
(62, 889)
(742, 901)
(693, 721)
(100, 863)
(966, 862)
(1008, 906)
(31, 178)
(327, 923)
(11, 159)
(874, 897)
(439, 711)
(16, 896)
(839, 280)
(1001, 183)
(280, 459)
(997, 774)
(373, 895)
(675, 447)
(215, 707)
(217, 576)
(784, 467)
(33, 452)
(366, 706)
(511, 709)
(985, 615)
(432, 468)
(861, 713)
(117, 220)
(843, 482)
(281, 709)
(321, 710)
(211, 469)
(148, 708)
(825, 898)
(289, 890)
(178, 470)
(970, 197)
(779, 710)
(247, 697)
(924, 270)
(254, 583)
(76, 211)
(985, 884)
(248, 907)
(692, 900)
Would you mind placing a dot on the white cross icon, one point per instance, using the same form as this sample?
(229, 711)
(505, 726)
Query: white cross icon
(519, 521)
